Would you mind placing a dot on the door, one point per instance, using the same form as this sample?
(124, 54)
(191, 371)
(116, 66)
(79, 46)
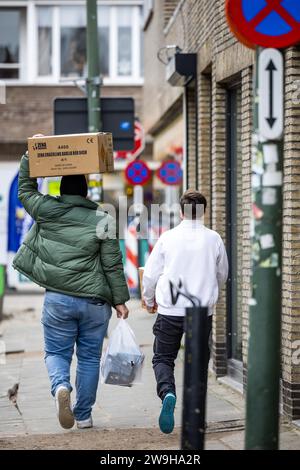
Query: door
(234, 232)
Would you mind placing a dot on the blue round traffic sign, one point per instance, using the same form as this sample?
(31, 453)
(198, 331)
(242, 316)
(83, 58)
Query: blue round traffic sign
(170, 172)
(265, 23)
(137, 172)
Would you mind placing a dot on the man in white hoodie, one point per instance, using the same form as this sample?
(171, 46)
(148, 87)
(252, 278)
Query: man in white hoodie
(195, 255)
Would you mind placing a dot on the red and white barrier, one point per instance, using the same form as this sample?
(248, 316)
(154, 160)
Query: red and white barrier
(132, 250)
(153, 237)
(132, 256)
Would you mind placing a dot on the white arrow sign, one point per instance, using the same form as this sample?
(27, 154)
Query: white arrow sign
(270, 113)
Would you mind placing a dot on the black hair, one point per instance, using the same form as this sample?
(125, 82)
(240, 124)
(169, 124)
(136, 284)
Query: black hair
(75, 185)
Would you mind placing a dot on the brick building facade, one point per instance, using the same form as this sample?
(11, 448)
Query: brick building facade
(43, 52)
(216, 108)
(43, 55)
(29, 110)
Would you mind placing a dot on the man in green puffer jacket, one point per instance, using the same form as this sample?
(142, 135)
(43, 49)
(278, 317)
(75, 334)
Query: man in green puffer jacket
(68, 251)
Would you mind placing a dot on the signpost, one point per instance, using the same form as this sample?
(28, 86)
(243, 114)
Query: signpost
(265, 23)
(139, 144)
(270, 107)
(93, 81)
(271, 24)
(117, 117)
(262, 408)
(196, 358)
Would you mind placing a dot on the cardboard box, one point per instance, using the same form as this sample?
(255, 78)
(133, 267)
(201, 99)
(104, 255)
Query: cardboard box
(110, 155)
(71, 154)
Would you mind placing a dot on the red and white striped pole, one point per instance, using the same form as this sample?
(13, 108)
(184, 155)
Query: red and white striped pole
(153, 237)
(132, 256)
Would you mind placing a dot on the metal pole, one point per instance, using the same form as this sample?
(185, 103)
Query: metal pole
(94, 79)
(195, 378)
(93, 83)
(262, 408)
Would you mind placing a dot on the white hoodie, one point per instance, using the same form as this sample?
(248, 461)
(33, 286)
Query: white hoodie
(190, 252)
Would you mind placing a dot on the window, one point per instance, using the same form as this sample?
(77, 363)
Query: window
(104, 46)
(148, 12)
(72, 41)
(43, 42)
(169, 9)
(10, 27)
(234, 230)
(124, 41)
(141, 47)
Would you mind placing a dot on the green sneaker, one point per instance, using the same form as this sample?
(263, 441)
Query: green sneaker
(166, 418)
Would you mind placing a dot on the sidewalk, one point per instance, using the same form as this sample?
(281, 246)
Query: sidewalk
(124, 418)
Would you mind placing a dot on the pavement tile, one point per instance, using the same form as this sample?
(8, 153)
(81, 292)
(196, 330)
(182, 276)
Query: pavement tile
(116, 407)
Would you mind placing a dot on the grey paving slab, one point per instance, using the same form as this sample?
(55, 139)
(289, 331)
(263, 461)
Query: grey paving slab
(43, 426)
(290, 440)
(116, 407)
(216, 445)
(233, 440)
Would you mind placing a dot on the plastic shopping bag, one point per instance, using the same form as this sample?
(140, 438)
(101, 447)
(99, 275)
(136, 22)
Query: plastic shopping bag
(122, 362)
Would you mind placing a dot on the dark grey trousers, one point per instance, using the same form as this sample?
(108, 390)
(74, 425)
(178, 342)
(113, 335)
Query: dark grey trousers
(168, 331)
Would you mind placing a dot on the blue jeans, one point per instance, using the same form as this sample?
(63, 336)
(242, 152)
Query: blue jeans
(67, 321)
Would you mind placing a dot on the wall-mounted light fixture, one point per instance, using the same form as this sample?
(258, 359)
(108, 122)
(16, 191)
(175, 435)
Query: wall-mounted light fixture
(181, 69)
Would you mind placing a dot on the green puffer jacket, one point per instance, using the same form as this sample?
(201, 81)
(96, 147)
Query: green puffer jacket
(62, 251)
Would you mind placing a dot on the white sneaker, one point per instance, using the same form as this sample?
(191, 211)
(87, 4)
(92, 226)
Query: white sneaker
(85, 423)
(63, 407)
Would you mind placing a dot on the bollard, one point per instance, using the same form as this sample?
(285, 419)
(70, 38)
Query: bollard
(198, 328)
(197, 332)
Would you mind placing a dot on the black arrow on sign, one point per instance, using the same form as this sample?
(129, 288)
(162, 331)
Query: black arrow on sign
(271, 69)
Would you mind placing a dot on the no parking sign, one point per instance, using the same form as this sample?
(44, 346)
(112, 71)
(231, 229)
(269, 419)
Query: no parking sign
(170, 172)
(265, 23)
(272, 25)
(137, 173)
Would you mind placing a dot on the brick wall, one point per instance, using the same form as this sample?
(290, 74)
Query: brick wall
(204, 139)
(169, 8)
(191, 116)
(200, 27)
(218, 214)
(158, 95)
(247, 117)
(29, 110)
(291, 240)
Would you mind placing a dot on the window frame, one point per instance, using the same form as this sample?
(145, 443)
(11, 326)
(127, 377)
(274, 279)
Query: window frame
(148, 10)
(28, 67)
(234, 314)
(22, 63)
